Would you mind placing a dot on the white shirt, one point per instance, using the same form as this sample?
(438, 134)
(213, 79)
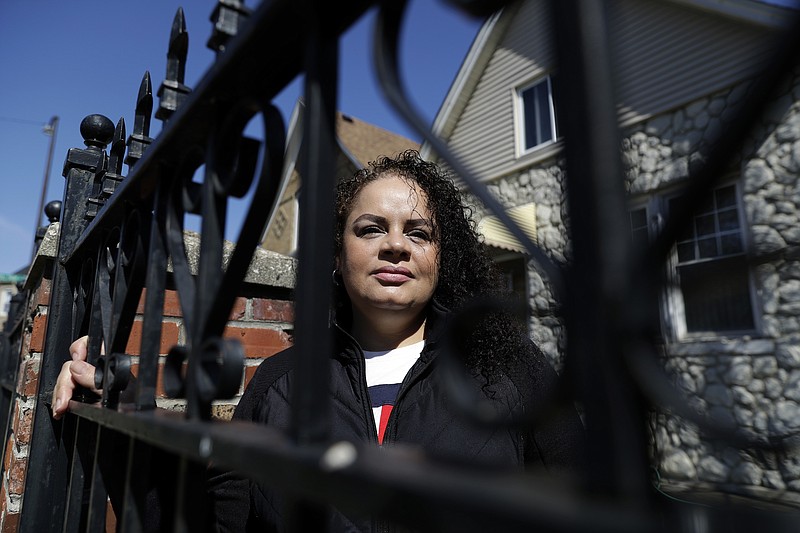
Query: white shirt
(385, 371)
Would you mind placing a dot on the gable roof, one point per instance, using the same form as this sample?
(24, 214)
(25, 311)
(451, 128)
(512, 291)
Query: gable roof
(491, 34)
(358, 142)
(470, 72)
(363, 142)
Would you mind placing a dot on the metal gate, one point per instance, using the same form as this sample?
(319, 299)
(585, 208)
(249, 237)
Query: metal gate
(119, 231)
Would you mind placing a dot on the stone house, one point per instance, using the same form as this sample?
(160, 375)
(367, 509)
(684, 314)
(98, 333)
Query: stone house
(729, 320)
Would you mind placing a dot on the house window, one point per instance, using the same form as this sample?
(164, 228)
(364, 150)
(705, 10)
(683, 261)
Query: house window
(538, 114)
(711, 270)
(5, 301)
(710, 289)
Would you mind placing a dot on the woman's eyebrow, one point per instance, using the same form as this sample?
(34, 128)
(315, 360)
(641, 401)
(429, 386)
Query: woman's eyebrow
(415, 222)
(369, 217)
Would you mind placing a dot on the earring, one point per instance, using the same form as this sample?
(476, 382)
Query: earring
(334, 278)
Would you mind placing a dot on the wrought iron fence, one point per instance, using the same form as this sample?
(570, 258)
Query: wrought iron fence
(118, 232)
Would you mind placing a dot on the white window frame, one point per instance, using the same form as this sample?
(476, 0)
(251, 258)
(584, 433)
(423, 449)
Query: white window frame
(6, 293)
(522, 149)
(671, 306)
(674, 294)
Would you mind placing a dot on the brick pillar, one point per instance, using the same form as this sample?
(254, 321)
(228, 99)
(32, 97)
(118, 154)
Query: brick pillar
(261, 321)
(15, 461)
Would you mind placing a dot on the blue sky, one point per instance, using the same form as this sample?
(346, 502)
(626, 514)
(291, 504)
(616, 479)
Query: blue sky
(73, 58)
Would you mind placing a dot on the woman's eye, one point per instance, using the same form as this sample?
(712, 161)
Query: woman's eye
(370, 230)
(419, 234)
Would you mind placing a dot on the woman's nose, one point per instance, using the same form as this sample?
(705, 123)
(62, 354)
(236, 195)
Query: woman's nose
(395, 244)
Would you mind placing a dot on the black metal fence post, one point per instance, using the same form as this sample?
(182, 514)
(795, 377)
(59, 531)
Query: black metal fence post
(599, 278)
(310, 400)
(48, 459)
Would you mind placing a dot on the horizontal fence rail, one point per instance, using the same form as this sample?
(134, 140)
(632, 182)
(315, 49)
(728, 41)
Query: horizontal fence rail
(123, 246)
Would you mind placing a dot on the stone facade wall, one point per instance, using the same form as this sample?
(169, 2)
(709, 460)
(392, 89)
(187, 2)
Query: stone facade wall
(544, 186)
(751, 383)
(747, 382)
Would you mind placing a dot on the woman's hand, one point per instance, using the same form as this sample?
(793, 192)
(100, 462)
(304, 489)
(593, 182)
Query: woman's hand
(74, 373)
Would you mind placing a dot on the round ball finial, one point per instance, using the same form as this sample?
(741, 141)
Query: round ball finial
(53, 210)
(97, 130)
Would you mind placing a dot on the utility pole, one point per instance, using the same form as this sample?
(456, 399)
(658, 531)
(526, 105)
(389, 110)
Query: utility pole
(51, 128)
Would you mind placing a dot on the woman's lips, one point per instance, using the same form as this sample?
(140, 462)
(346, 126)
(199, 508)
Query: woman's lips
(393, 275)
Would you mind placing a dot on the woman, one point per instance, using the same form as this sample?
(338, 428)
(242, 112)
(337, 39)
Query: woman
(406, 256)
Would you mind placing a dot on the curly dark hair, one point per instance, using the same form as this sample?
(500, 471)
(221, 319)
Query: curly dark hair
(466, 271)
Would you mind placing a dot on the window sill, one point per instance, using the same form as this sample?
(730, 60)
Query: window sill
(539, 153)
(719, 344)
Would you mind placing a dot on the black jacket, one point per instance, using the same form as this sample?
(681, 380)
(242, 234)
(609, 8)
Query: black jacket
(423, 416)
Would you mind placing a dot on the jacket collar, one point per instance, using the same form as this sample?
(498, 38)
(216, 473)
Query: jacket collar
(435, 326)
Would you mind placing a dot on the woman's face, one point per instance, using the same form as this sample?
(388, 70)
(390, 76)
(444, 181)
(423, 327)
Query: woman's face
(389, 260)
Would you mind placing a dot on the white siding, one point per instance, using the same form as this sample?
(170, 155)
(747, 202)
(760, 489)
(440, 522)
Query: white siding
(664, 55)
(484, 134)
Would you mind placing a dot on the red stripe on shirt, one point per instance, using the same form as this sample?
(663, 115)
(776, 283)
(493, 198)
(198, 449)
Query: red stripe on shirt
(386, 410)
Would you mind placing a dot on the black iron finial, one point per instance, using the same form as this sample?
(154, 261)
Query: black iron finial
(227, 17)
(96, 131)
(139, 139)
(173, 92)
(53, 211)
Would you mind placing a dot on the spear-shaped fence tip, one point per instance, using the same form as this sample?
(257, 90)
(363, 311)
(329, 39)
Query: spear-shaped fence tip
(173, 92)
(139, 139)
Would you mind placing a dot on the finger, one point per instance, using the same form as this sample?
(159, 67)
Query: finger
(83, 374)
(63, 391)
(73, 374)
(79, 348)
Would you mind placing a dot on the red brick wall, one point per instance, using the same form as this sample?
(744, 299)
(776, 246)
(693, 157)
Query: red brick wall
(15, 461)
(261, 324)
